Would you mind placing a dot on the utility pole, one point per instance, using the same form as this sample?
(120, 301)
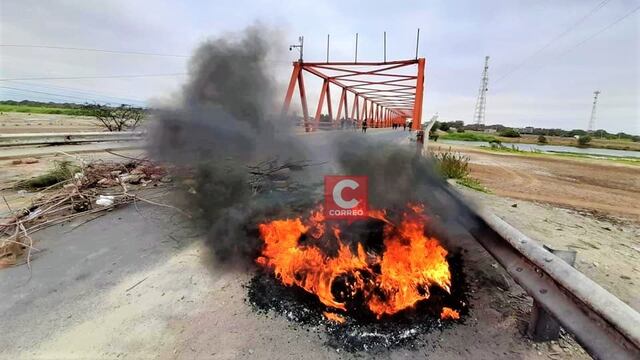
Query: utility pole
(385, 46)
(592, 121)
(327, 47)
(481, 102)
(356, 59)
(300, 46)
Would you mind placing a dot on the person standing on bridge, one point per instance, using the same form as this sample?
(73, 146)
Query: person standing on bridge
(364, 126)
(404, 126)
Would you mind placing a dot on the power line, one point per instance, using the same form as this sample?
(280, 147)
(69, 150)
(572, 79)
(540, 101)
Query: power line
(46, 93)
(125, 52)
(590, 37)
(35, 97)
(95, 50)
(556, 38)
(94, 77)
(77, 91)
(603, 29)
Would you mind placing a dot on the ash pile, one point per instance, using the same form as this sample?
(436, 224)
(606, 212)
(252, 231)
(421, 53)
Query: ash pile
(360, 331)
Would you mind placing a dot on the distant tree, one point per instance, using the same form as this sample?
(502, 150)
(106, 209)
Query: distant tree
(435, 127)
(325, 118)
(512, 133)
(123, 117)
(575, 132)
(460, 130)
(542, 139)
(457, 124)
(444, 126)
(584, 140)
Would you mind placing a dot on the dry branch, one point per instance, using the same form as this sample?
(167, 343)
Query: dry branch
(76, 198)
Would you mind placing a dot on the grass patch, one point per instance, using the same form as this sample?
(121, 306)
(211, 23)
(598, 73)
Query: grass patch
(456, 166)
(472, 183)
(468, 136)
(497, 146)
(44, 110)
(535, 152)
(452, 165)
(620, 159)
(61, 171)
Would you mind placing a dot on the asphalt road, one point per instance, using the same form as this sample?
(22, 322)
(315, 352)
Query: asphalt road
(139, 283)
(86, 270)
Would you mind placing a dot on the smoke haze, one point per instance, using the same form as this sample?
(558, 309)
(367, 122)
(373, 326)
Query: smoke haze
(225, 121)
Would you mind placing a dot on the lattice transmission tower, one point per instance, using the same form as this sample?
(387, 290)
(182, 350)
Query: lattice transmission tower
(592, 120)
(478, 116)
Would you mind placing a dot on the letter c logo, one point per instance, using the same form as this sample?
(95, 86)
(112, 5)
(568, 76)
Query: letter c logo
(337, 193)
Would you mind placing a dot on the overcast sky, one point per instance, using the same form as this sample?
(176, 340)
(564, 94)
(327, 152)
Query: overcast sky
(554, 88)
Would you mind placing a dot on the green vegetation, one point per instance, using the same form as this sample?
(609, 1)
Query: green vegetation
(444, 126)
(584, 140)
(468, 136)
(62, 171)
(123, 117)
(43, 110)
(132, 114)
(542, 139)
(497, 146)
(510, 133)
(456, 166)
(472, 183)
(614, 144)
(516, 150)
(452, 165)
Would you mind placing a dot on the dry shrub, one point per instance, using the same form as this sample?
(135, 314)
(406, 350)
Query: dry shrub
(452, 165)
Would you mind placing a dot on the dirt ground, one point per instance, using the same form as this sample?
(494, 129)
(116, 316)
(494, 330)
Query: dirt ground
(608, 250)
(15, 123)
(599, 186)
(46, 159)
(587, 205)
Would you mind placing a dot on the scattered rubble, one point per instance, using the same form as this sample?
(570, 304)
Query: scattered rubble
(90, 188)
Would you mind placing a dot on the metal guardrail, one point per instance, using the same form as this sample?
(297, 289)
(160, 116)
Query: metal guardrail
(67, 138)
(603, 324)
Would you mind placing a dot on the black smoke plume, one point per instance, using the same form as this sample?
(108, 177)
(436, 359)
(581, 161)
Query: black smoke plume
(225, 122)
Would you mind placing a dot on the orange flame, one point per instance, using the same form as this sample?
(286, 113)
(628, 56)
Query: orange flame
(336, 318)
(449, 313)
(409, 265)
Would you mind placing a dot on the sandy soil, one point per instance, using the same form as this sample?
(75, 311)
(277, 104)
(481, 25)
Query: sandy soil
(14, 123)
(608, 250)
(11, 173)
(600, 186)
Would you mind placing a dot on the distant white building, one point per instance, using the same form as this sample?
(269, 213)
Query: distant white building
(489, 131)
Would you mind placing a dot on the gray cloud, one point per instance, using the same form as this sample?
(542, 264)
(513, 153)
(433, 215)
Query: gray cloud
(554, 88)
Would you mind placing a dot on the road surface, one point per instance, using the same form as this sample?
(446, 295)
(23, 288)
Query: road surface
(139, 283)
